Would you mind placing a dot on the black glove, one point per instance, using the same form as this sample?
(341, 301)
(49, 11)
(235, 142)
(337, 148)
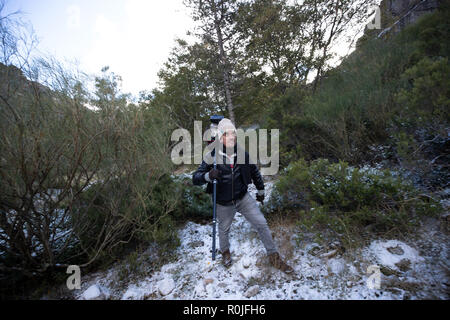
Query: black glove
(214, 174)
(260, 197)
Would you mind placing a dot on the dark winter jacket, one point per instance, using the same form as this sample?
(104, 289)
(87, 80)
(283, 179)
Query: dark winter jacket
(233, 181)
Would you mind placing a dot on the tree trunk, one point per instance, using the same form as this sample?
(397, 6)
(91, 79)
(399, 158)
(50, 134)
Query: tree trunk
(325, 47)
(225, 64)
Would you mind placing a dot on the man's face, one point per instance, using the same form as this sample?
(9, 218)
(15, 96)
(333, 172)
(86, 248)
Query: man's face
(229, 138)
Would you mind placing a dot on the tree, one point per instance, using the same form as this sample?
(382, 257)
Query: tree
(294, 39)
(190, 84)
(329, 21)
(217, 21)
(274, 38)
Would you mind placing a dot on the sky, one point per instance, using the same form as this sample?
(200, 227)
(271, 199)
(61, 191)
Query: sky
(132, 37)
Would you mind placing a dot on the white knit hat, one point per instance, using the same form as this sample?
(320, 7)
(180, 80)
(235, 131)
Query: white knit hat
(225, 125)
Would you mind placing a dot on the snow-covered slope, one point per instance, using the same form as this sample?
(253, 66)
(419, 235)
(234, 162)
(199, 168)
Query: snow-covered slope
(403, 271)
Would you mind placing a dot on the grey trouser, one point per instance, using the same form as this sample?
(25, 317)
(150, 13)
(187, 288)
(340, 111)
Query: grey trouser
(248, 207)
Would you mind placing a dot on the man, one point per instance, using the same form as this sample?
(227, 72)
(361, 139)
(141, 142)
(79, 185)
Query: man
(232, 196)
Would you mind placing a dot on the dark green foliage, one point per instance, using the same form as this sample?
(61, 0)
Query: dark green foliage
(298, 132)
(195, 204)
(427, 96)
(145, 217)
(352, 107)
(342, 198)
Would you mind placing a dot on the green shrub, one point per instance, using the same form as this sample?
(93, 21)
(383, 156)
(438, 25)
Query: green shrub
(427, 96)
(346, 199)
(119, 213)
(195, 203)
(298, 132)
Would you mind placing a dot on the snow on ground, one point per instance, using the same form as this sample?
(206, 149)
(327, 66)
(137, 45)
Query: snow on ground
(195, 276)
(404, 272)
(92, 293)
(391, 253)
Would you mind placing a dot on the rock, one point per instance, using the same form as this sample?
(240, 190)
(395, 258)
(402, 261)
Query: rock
(262, 262)
(199, 289)
(168, 268)
(196, 244)
(246, 262)
(208, 268)
(252, 291)
(314, 250)
(150, 296)
(396, 250)
(337, 266)
(207, 281)
(166, 286)
(404, 265)
(352, 270)
(388, 271)
(329, 254)
(93, 293)
(337, 245)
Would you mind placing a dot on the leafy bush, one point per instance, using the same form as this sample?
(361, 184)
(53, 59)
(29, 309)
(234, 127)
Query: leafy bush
(298, 131)
(429, 93)
(132, 215)
(343, 198)
(195, 203)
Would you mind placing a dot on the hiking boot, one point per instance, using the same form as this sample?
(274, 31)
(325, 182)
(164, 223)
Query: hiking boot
(276, 261)
(226, 258)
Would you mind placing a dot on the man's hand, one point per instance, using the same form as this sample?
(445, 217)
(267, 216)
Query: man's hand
(212, 174)
(260, 196)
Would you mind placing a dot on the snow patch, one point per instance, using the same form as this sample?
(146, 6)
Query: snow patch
(139, 291)
(92, 293)
(166, 286)
(391, 253)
